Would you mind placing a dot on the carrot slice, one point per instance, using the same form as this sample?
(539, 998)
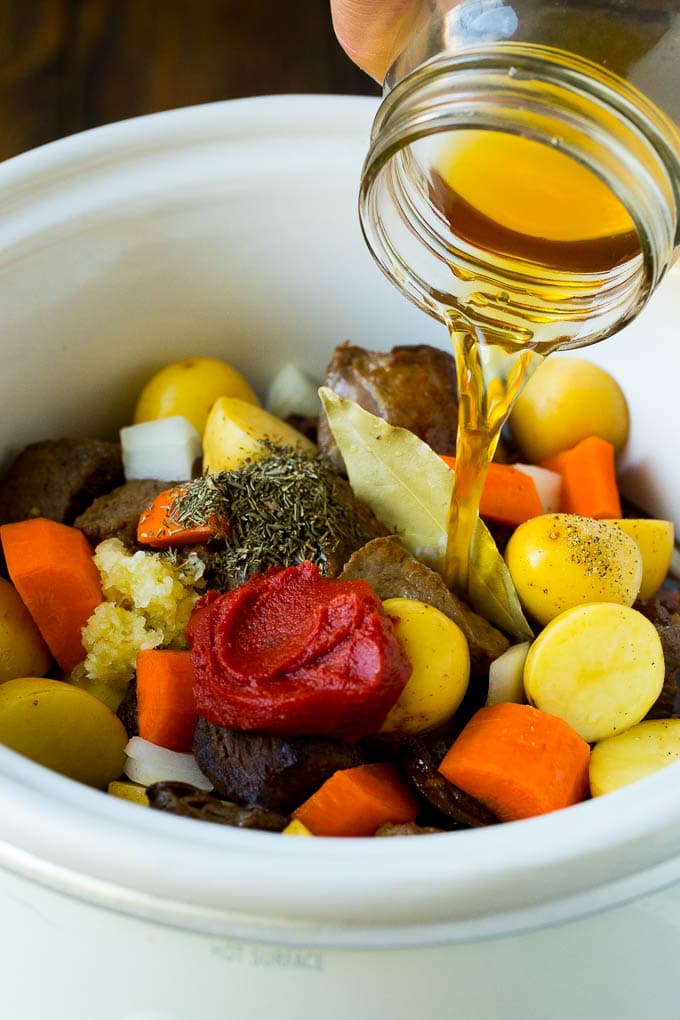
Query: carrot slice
(160, 530)
(357, 801)
(52, 568)
(509, 496)
(519, 761)
(589, 486)
(166, 711)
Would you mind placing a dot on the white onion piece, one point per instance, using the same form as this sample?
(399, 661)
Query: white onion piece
(548, 485)
(292, 392)
(147, 763)
(166, 449)
(506, 676)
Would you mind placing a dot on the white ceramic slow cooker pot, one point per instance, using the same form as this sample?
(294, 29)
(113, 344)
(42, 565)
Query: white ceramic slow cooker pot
(231, 230)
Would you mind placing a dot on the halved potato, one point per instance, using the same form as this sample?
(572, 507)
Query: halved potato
(627, 757)
(64, 728)
(440, 658)
(235, 430)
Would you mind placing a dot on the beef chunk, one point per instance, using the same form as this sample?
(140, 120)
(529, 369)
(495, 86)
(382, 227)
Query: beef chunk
(443, 805)
(116, 514)
(127, 710)
(368, 526)
(393, 572)
(412, 387)
(186, 800)
(663, 609)
(58, 478)
(452, 808)
(279, 774)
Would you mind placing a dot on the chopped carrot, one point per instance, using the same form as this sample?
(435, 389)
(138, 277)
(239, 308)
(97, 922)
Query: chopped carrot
(357, 801)
(158, 529)
(589, 485)
(166, 711)
(52, 568)
(509, 496)
(518, 761)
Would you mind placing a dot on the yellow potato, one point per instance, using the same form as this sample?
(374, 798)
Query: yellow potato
(22, 649)
(600, 667)
(655, 540)
(63, 728)
(566, 400)
(557, 561)
(440, 658)
(235, 429)
(627, 757)
(296, 828)
(190, 388)
(133, 792)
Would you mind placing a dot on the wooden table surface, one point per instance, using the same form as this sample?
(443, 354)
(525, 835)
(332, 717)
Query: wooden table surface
(68, 65)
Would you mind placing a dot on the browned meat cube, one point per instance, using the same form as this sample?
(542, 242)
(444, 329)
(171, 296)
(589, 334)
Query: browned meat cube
(189, 802)
(412, 387)
(663, 609)
(278, 774)
(452, 807)
(58, 478)
(393, 572)
(116, 514)
(368, 525)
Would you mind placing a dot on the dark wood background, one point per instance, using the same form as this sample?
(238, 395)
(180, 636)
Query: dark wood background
(67, 65)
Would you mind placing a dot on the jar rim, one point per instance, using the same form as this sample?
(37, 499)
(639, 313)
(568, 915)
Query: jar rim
(497, 89)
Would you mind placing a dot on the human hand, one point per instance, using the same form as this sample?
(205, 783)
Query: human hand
(374, 32)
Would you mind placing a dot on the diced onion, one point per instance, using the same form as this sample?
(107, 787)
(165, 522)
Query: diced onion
(506, 676)
(292, 392)
(165, 449)
(548, 485)
(147, 763)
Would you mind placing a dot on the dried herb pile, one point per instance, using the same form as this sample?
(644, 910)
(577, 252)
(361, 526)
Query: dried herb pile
(281, 510)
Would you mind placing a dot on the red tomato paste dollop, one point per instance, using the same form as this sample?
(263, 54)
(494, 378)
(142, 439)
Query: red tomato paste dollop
(291, 652)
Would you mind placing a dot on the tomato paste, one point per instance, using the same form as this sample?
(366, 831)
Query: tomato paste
(291, 652)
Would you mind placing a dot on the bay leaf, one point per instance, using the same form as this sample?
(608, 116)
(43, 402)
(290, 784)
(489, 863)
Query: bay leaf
(403, 481)
(408, 487)
(490, 588)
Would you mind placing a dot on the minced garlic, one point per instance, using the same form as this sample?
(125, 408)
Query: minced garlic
(149, 601)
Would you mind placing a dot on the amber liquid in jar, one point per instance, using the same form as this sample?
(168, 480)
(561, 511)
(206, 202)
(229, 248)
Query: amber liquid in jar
(541, 213)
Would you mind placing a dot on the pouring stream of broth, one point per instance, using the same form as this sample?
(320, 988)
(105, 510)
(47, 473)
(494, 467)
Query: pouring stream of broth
(532, 206)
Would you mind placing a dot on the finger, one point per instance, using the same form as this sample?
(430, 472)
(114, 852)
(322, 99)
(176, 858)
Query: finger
(374, 32)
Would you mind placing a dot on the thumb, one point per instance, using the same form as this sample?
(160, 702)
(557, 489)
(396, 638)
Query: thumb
(374, 32)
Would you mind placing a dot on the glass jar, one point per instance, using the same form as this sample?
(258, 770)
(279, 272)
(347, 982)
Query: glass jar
(493, 104)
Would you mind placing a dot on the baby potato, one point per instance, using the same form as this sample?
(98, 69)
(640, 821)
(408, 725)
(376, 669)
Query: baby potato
(235, 429)
(296, 828)
(22, 649)
(64, 728)
(557, 561)
(655, 540)
(189, 388)
(440, 658)
(566, 400)
(600, 667)
(132, 792)
(627, 757)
